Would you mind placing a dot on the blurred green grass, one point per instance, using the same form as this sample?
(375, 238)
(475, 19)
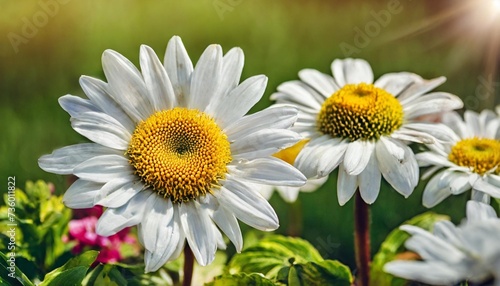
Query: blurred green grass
(278, 37)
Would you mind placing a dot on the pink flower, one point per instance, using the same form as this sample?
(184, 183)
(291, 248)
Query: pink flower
(82, 230)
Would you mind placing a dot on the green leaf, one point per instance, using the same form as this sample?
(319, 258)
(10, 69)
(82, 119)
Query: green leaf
(71, 273)
(271, 254)
(105, 275)
(9, 277)
(393, 247)
(328, 272)
(241, 279)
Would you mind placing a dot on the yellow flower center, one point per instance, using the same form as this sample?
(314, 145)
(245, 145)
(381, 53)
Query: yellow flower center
(360, 111)
(181, 153)
(290, 154)
(479, 154)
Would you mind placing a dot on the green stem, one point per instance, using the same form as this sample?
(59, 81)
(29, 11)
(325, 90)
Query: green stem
(188, 266)
(362, 239)
(295, 218)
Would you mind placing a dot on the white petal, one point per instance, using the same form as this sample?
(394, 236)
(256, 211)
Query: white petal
(353, 71)
(402, 175)
(162, 232)
(102, 169)
(275, 117)
(239, 101)
(289, 194)
(206, 78)
(437, 189)
(357, 155)
(395, 83)
(263, 143)
(81, 194)
(394, 149)
(420, 87)
(199, 231)
(126, 86)
(477, 211)
(434, 272)
(455, 122)
(158, 223)
(296, 92)
(346, 186)
(321, 82)
(432, 103)
(471, 119)
(160, 91)
(179, 69)
(64, 160)
(431, 247)
(438, 132)
(425, 159)
(103, 129)
(95, 89)
(114, 220)
(119, 191)
(485, 187)
(311, 157)
(229, 225)
(270, 171)
(232, 66)
(247, 205)
(369, 181)
(75, 105)
(459, 183)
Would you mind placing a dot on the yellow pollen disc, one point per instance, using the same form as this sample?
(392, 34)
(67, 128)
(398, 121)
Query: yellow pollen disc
(479, 154)
(289, 154)
(181, 153)
(360, 111)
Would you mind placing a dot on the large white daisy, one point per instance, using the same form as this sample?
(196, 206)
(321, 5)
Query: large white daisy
(173, 151)
(469, 160)
(362, 126)
(451, 254)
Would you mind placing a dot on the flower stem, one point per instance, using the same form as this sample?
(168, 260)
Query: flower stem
(362, 239)
(188, 266)
(295, 218)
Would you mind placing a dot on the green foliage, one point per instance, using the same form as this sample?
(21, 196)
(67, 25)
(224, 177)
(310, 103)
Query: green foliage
(327, 272)
(40, 219)
(9, 277)
(253, 279)
(393, 247)
(292, 261)
(72, 272)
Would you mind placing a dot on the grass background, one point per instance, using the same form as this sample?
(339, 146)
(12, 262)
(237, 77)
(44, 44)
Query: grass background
(278, 37)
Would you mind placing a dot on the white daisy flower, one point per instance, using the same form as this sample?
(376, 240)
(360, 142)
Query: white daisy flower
(173, 151)
(451, 254)
(290, 194)
(363, 127)
(468, 160)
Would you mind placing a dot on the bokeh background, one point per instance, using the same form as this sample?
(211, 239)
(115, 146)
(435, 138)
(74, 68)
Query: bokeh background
(45, 45)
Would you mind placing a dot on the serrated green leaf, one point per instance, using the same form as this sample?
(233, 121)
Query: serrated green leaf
(253, 279)
(328, 272)
(73, 272)
(394, 245)
(271, 254)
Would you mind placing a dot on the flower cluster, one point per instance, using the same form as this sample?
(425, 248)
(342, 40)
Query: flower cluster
(174, 153)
